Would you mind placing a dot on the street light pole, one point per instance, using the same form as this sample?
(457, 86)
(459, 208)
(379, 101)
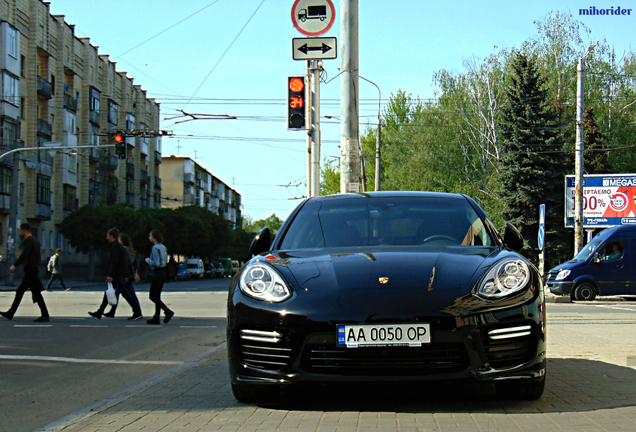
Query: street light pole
(378, 142)
(13, 217)
(579, 160)
(349, 126)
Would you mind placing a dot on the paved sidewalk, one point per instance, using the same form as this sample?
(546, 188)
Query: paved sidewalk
(589, 388)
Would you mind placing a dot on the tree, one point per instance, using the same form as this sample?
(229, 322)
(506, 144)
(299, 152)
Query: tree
(272, 222)
(596, 159)
(330, 177)
(531, 169)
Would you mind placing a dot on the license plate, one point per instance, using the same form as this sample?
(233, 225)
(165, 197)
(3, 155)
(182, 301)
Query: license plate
(379, 335)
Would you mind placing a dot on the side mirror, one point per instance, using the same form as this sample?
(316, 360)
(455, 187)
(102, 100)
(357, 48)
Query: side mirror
(513, 238)
(261, 242)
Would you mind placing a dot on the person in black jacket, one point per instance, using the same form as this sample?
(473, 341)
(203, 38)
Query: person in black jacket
(118, 271)
(30, 259)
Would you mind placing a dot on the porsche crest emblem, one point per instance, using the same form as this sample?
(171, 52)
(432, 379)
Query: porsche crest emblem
(383, 280)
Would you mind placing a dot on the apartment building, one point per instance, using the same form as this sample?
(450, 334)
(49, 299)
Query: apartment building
(57, 88)
(186, 182)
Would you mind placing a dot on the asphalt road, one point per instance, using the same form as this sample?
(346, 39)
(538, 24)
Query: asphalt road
(53, 369)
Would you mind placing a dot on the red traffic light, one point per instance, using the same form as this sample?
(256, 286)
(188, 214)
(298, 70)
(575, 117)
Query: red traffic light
(296, 85)
(118, 138)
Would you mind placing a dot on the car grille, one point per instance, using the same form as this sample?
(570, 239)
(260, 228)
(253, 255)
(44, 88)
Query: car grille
(395, 361)
(264, 356)
(508, 351)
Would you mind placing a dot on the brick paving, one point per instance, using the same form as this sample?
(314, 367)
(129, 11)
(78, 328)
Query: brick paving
(590, 388)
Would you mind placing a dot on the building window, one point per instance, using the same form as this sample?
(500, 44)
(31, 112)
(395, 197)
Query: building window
(51, 243)
(113, 112)
(23, 66)
(53, 85)
(6, 180)
(70, 197)
(21, 193)
(60, 241)
(13, 43)
(93, 103)
(130, 186)
(43, 240)
(130, 121)
(10, 89)
(44, 190)
(9, 133)
(22, 107)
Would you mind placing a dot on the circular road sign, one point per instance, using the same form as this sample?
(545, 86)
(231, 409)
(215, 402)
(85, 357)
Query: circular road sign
(313, 17)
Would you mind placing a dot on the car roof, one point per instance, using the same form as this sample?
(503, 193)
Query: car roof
(622, 229)
(390, 194)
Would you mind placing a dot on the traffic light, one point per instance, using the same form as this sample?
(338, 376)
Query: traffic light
(296, 103)
(120, 145)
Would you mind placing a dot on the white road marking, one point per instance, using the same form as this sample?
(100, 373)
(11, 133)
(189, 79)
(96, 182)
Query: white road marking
(89, 326)
(197, 326)
(33, 325)
(617, 308)
(85, 360)
(144, 326)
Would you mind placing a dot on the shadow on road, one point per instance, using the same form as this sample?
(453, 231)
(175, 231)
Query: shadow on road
(572, 385)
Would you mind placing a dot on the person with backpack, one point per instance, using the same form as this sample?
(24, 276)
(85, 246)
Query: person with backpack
(118, 271)
(159, 263)
(54, 268)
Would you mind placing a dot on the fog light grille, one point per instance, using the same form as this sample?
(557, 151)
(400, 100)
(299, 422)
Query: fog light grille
(510, 332)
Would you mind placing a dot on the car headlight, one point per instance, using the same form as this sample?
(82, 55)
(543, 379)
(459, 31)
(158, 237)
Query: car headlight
(562, 274)
(505, 278)
(263, 283)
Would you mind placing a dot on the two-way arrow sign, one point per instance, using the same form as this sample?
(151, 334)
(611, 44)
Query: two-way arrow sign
(314, 48)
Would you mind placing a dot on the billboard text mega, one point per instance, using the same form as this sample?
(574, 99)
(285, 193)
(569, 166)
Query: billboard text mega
(608, 200)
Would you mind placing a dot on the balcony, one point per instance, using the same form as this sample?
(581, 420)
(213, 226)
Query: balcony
(143, 176)
(157, 183)
(7, 143)
(130, 170)
(93, 117)
(157, 157)
(158, 204)
(130, 199)
(5, 203)
(111, 195)
(143, 203)
(237, 200)
(45, 89)
(199, 184)
(188, 178)
(70, 103)
(43, 212)
(143, 148)
(215, 194)
(45, 128)
(93, 153)
(112, 162)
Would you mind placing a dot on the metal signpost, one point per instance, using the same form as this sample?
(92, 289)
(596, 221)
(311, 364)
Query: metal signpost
(313, 18)
(541, 239)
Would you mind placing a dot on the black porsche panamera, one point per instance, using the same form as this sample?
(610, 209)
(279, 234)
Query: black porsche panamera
(387, 287)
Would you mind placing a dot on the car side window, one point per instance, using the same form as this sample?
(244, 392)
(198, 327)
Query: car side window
(612, 251)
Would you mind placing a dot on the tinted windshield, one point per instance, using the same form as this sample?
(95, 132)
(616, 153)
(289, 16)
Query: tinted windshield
(182, 266)
(390, 221)
(588, 250)
(193, 265)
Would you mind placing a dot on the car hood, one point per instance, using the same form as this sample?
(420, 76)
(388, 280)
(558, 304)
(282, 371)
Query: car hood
(570, 265)
(363, 268)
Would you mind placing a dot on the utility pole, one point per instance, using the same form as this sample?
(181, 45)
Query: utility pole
(349, 125)
(579, 148)
(315, 68)
(378, 153)
(12, 233)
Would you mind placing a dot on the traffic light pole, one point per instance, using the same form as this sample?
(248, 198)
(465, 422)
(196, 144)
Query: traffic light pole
(309, 131)
(315, 68)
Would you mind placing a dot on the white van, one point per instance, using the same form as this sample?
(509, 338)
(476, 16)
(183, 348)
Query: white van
(194, 267)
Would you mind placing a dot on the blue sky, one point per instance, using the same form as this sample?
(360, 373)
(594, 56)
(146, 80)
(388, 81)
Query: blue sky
(402, 43)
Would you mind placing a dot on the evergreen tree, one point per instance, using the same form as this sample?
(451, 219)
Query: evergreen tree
(596, 160)
(532, 168)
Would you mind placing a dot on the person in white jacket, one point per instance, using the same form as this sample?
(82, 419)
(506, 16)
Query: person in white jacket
(159, 263)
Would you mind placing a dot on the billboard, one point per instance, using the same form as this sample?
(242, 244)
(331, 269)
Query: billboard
(608, 200)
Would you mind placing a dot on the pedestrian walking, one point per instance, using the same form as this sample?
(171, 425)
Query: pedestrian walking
(131, 295)
(55, 269)
(118, 271)
(30, 260)
(158, 262)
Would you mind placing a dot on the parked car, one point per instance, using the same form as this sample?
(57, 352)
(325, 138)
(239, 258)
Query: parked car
(228, 269)
(605, 266)
(195, 268)
(385, 287)
(218, 269)
(183, 274)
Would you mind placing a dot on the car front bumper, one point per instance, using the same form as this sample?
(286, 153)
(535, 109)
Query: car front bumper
(302, 348)
(560, 287)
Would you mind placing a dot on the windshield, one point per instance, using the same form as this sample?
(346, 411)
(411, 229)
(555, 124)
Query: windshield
(588, 250)
(182, 266)
(390, 221)
(192, 266)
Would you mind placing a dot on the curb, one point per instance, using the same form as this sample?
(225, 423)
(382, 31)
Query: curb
(120, 397)
(5, 288)
(551, 298)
